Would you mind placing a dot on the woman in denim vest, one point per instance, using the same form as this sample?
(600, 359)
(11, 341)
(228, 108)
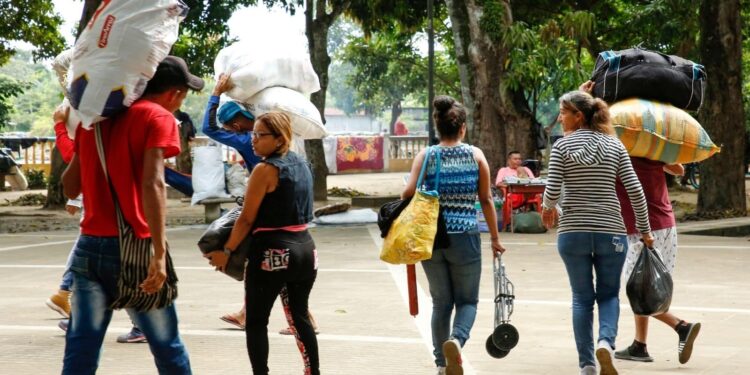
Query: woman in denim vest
(453, 272)
(278, 205)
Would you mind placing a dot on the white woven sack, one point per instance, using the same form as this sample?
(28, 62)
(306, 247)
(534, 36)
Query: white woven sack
(306, 121)
(254, 66)
(118, 52)
(237, 180)
(208, 174)
(60, 65)
(73, 119)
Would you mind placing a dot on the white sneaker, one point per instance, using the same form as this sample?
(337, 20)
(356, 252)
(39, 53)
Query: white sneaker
(605, 355)
(452, 354)
(441, 370)
(588, 370)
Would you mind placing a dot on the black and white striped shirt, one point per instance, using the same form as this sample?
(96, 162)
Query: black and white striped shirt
(588, 163)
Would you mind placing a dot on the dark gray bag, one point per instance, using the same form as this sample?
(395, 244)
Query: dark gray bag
(650, 285)
(217, 234)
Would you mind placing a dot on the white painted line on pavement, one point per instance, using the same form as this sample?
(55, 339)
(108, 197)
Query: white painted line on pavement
(680, 246)
(626, 307)
(232, 333)
(422, 320)
(35, 245)
(189, 268)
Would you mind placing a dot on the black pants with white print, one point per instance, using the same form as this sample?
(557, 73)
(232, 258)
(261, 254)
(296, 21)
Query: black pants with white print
(280, 264)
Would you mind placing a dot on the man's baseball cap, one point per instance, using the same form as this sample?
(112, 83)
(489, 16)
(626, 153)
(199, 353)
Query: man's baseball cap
(231, 109)
(178, 65)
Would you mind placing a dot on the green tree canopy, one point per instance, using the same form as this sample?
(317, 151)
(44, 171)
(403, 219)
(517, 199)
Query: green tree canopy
(31, 21)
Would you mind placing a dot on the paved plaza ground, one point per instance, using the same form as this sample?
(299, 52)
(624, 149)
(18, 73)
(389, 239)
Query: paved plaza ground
(359, 303)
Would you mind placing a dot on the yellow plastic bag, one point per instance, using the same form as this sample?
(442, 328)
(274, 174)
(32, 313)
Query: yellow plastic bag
(412, 233)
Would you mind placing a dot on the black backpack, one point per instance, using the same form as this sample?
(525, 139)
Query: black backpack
(649, 75)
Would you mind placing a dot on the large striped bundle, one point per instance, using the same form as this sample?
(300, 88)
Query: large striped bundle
(659, 131)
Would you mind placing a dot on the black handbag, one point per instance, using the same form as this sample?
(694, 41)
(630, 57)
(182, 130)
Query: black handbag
(216, 236)
(649, 75)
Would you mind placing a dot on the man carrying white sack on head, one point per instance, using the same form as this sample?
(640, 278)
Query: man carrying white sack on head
(134, 144)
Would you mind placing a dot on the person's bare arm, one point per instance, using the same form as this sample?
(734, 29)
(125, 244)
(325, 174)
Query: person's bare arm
(153, 188)
(71, 178)
(485, 199)
(263, 178)
(674, 169)
(416, 167)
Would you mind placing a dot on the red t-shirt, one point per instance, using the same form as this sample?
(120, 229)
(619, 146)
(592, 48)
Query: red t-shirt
(126, 138)
(651, 175)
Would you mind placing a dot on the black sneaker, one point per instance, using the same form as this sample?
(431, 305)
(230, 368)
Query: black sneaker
(687, 334)
(632, 354)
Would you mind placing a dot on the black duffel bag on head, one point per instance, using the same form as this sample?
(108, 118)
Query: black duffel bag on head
(639, 73)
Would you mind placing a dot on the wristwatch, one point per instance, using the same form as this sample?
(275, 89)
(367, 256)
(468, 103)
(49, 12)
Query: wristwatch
(227, 252)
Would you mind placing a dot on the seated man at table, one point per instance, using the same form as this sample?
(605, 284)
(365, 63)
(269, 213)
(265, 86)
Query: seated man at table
(514, 169)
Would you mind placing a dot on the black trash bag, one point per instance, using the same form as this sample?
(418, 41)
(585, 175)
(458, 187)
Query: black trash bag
(390, 211)
(650, 285)
(6, 160)
(216, 236)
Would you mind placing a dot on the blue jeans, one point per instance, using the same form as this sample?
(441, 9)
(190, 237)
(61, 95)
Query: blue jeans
(67, 278)
(95, 267)
(605, 254)
(453, 274)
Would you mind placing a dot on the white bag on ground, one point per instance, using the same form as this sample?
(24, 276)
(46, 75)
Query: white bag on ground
(208, 174)
(118, 52)
(359, 216)
(306, 121)
(266, 62)
(330, 146)
(236, 180)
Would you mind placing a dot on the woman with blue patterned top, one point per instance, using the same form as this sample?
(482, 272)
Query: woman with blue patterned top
(454, 270)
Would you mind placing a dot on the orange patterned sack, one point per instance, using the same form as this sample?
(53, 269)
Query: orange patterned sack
(660, 132)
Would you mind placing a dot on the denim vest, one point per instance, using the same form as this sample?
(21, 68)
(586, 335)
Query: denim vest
(292, 201)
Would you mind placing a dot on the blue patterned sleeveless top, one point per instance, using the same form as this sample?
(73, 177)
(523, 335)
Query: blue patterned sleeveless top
(458, 186)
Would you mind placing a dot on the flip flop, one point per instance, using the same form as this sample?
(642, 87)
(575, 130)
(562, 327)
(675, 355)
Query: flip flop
(288, 331)
(232, 319)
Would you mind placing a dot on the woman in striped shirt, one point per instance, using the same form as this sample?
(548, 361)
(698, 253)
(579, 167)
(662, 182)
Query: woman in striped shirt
(591, 235)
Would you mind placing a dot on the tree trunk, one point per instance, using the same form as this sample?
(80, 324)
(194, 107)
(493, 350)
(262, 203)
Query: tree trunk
(462, 40)
(317, 23)
(502, 119)
(396, 111)
(183, 160)
(722, 186)
(55, 197)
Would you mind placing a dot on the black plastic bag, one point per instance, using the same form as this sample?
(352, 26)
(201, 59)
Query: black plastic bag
(217, 235)
(650, 285)
(390, 211)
